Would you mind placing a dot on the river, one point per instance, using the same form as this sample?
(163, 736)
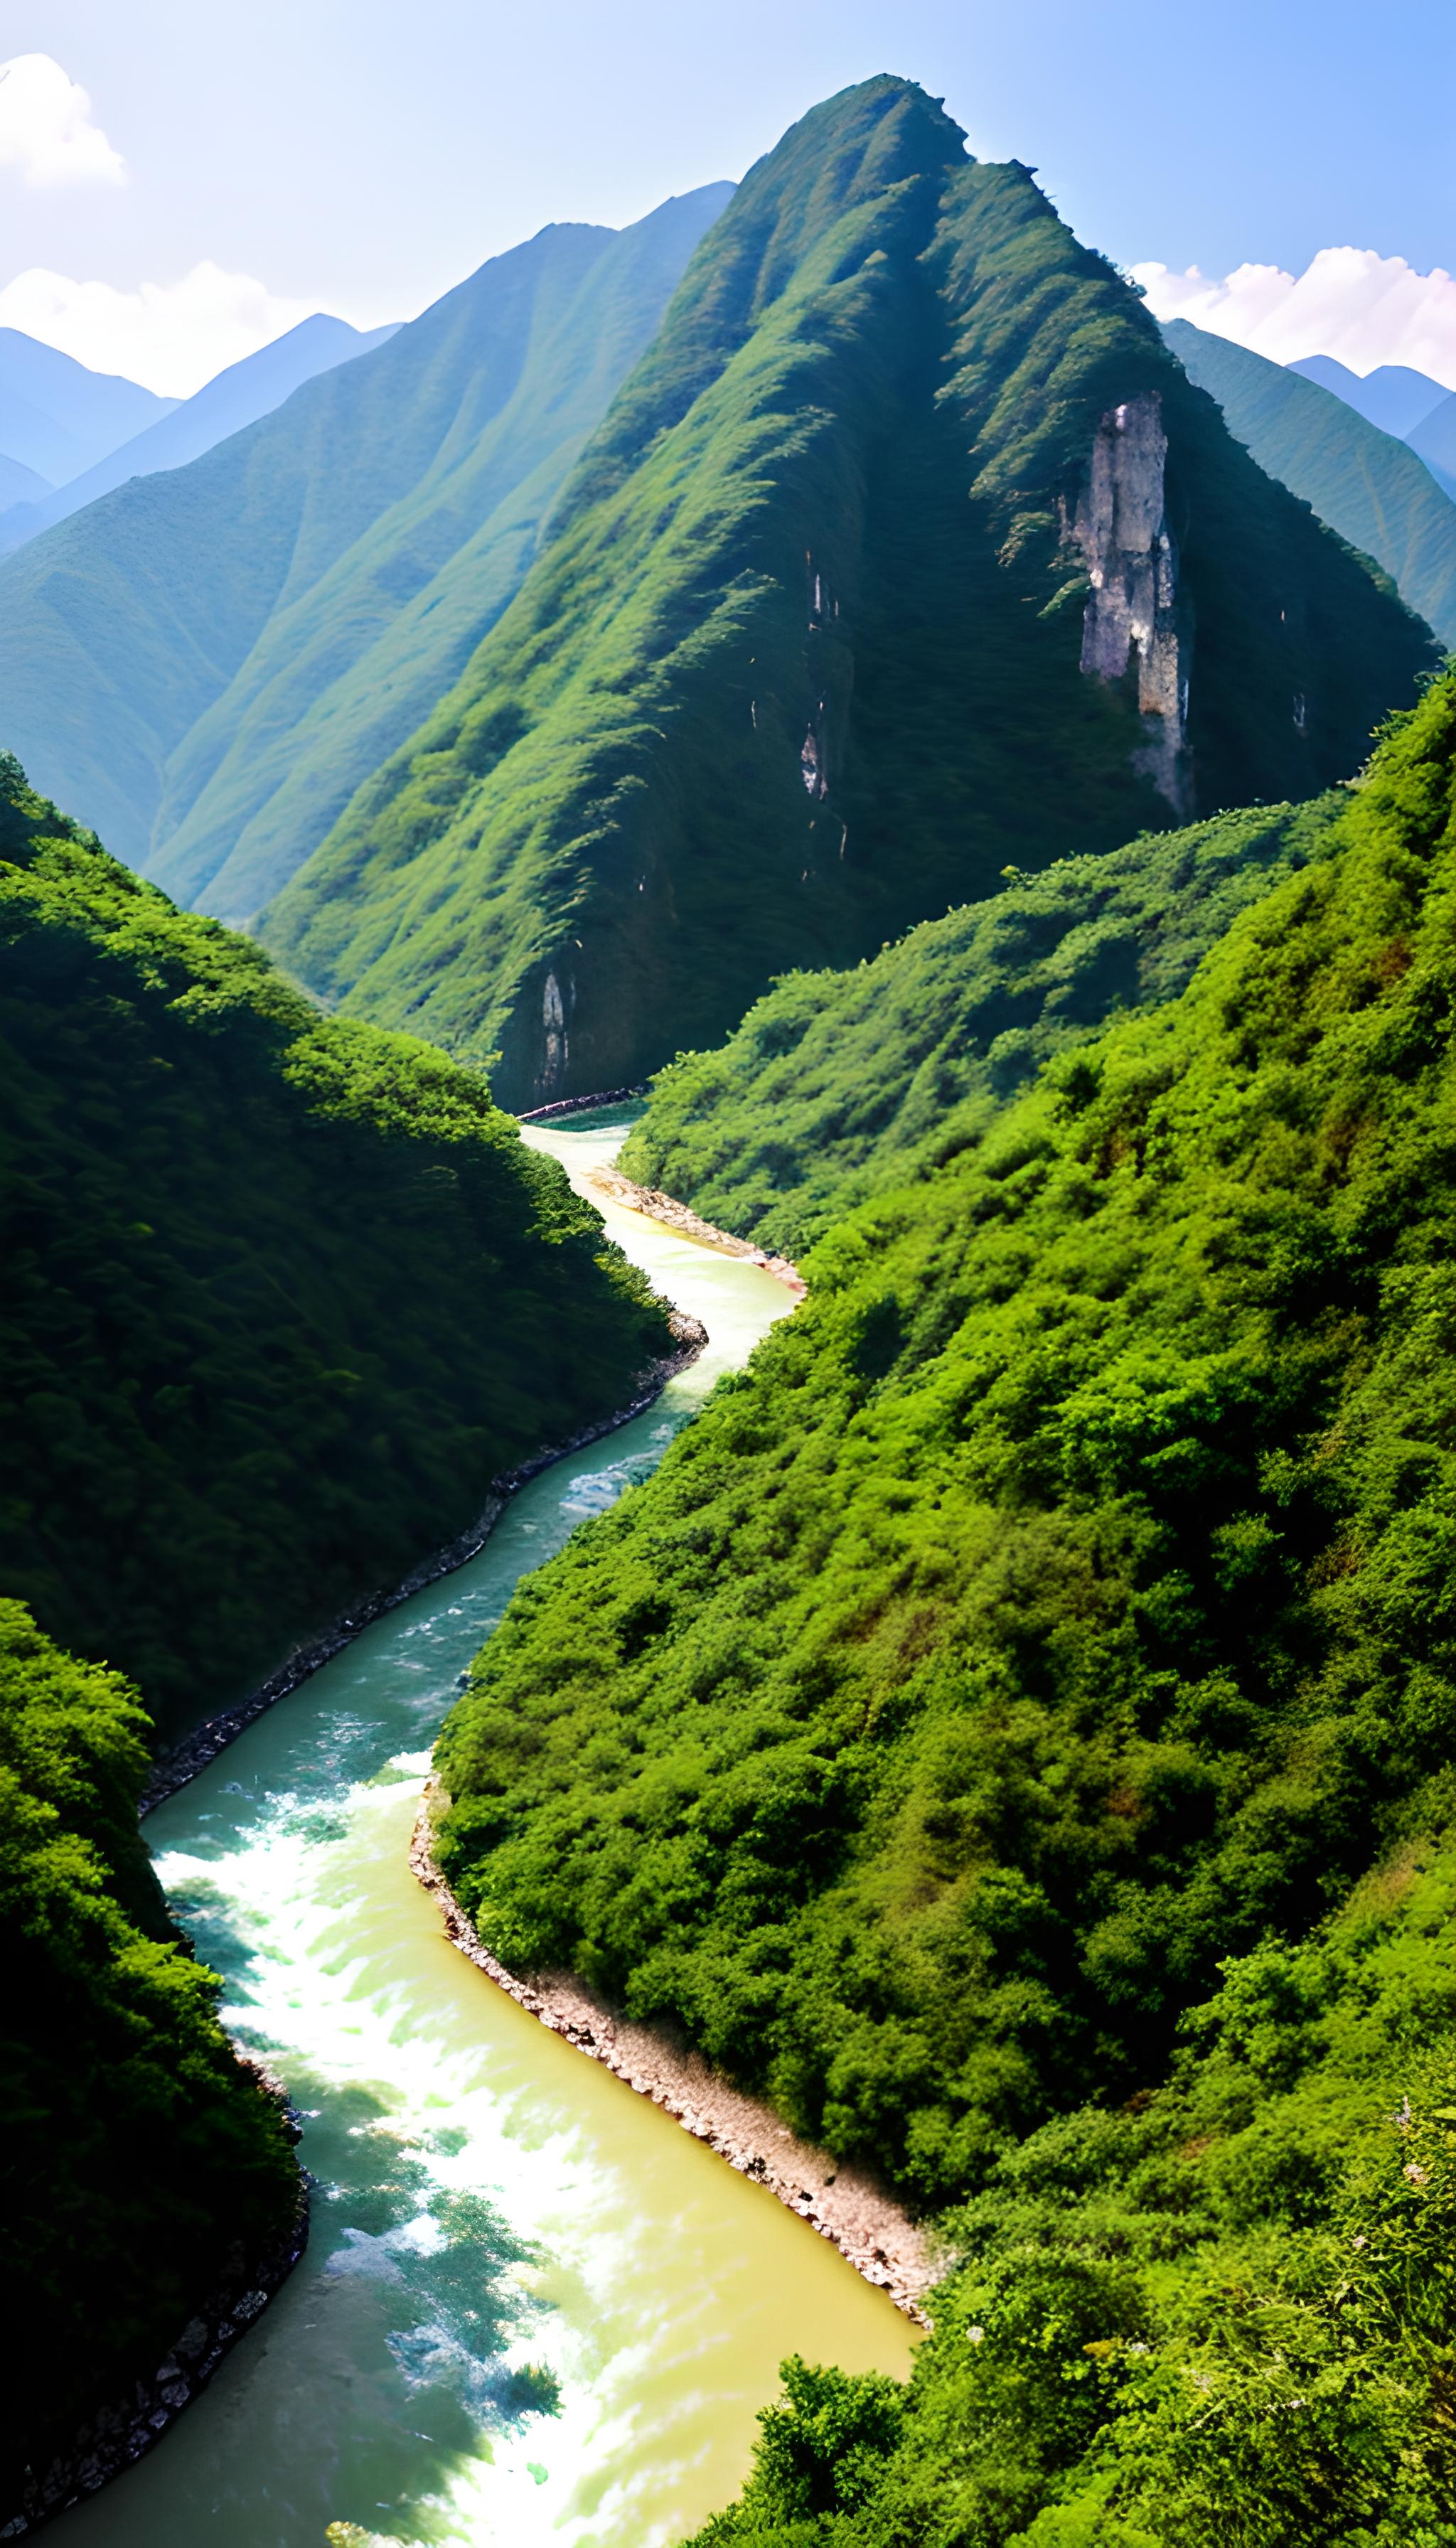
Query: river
(533, 2309)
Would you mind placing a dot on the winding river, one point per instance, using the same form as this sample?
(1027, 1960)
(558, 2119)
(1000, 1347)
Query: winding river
(533, 2309)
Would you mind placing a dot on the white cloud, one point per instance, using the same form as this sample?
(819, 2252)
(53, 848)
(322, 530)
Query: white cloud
(170, 336)
(1363, 309)
(47, 134)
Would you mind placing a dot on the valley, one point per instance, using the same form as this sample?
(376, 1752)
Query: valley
(532, 2307)
(727, 1451)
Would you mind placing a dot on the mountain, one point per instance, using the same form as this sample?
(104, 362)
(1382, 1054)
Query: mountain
(206, 664)
(1012, 1731)
(147, 2168)
(1369, 487)
(57, 418)
(19, 485)
(1392, 397)
(908, 544)
(241, 1248)
(1216, 2317)
(838, 1086)
(1434, 439)
(236, 398)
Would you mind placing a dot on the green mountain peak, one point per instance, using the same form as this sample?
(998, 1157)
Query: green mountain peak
(907, 551)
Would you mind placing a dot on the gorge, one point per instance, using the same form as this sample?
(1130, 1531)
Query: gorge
(532, 2307)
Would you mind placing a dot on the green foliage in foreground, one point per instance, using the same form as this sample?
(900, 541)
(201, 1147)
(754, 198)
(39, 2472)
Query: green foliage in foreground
(279, 1294)
(823, 536)
(143, 2166)
(1063, 1599)
(1368, 486)
(839, 1085)
(1226, 2316)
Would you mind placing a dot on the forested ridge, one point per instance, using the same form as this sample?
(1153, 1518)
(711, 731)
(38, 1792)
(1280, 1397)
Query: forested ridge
(205, 664)
(837, 1085)
(278, 1298)
(281, 1293)
(1369, 486)
(801, 661)
(143, 2168)
(1043, 1641)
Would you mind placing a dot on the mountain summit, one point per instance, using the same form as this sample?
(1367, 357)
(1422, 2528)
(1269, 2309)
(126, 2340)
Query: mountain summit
(906, 552)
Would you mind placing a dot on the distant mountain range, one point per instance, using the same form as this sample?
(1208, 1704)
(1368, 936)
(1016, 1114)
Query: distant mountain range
(207, 663)
(908, 551)
(1368, 486)
(236, 398)
(551, 705)
(56, 418)
(1391, 396)
(1401, 402)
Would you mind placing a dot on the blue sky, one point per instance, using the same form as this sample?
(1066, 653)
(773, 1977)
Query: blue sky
(362, 154)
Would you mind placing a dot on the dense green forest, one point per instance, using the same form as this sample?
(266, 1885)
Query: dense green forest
(143, 2168)
(1224, 2315)
(279, 1294)
(801, 661)
(1059, 1608)
(1367, 484)
(204, 664)
(839, 1084)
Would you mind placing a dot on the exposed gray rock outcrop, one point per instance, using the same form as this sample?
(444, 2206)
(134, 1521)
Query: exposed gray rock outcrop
(1135, 609)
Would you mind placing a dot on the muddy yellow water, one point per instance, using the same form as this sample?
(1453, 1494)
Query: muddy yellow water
(533, 2309)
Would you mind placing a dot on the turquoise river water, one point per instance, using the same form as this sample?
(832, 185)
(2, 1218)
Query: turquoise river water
(490, 2205)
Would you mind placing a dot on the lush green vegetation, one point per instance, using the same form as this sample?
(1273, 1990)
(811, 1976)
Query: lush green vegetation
(837, 1085)
(205, 665)
(279, 1294)
(143, 2166)
(1368, 486)
(1059, 1606)
(800, 662)
(1224, 2315)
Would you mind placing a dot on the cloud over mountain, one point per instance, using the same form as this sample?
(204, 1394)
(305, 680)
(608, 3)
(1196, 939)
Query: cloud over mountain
(1362, 307)
(170, 336)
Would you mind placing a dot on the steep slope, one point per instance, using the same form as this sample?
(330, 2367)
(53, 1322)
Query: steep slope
(206, 664)
(907, 551)
(1224, 2315)
(234, 398)
(58, 417)
(1369, 487)
(1060, 1604)
(839, 1085)
(1393, 397)
(1434, 439)
(144, 2168)
(280, 1296)
(19, 485)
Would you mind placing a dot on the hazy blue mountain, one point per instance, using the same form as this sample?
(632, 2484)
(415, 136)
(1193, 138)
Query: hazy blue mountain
(56, 417)
(1369, 487)
(1434, 439)
(207, 663)
(20, 484)
(236, 398)
(1391, 396)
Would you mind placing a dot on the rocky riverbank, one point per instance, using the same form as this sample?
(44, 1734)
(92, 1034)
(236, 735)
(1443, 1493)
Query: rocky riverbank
(127, 2429)
(197, 1749)
(613, 1187)
(843, 2204)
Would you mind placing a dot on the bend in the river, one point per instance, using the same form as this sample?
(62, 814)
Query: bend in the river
(532, 2307)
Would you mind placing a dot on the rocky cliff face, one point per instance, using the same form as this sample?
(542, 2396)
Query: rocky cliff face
(883, 572)
(1136, 609)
